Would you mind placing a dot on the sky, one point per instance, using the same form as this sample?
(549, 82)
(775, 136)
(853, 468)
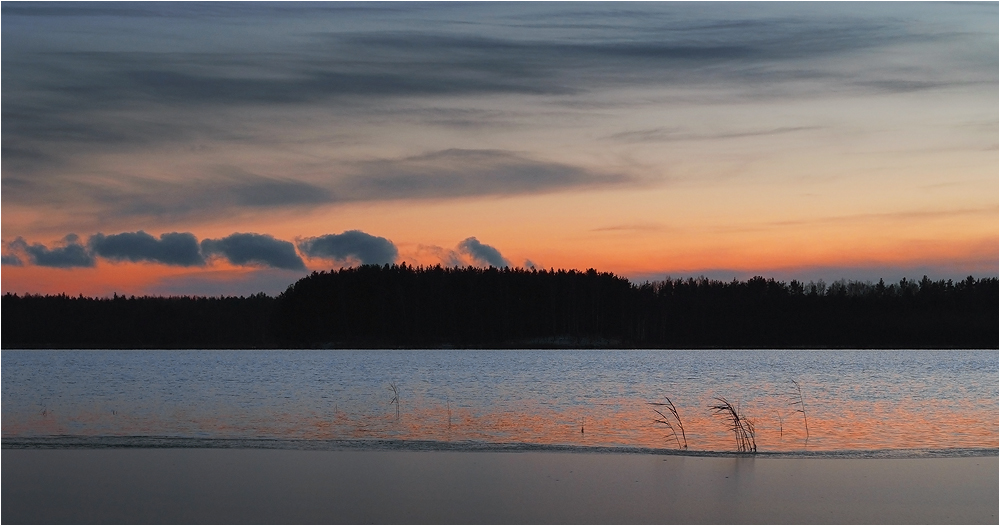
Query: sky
(233, 148)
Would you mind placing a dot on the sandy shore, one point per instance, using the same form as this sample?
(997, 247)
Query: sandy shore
(280, 486)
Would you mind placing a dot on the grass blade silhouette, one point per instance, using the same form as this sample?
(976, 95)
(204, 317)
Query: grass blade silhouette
(797, 400)
(395, 398)
(672, 409)
(742, 427)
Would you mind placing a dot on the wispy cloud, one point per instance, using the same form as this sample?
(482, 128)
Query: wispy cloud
(215, 194)
(468, 252)
(903, 215)
(129, 83)
(445, 257)
(632, 227)
(679, 134)
(906, 216)
(461, 172)
(225, 190)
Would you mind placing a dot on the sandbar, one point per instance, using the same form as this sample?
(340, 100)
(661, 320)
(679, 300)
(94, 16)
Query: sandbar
(255, 486)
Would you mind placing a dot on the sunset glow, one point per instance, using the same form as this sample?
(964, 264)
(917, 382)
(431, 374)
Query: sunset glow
(795, 141)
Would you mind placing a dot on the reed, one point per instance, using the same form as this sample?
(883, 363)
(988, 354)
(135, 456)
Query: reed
(797, 401)
(395, 398)
(672, 409)
(741, 426)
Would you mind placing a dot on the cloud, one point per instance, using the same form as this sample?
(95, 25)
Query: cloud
(226, 190)
(175, 248)
(482, 253)
(254, 249)
(447, 257)
(352, 244)
(462, 172)
(271, 192)
(676, 134)
(71, 254)
(126, 111)
(90, 85)
(469, 252)
(12, 260)
(633, 227)
(243, 249)
(213, 195)
(102, 87)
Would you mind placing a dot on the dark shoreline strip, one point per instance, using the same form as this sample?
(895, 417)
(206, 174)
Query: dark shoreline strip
(401, 306)
(166, 442)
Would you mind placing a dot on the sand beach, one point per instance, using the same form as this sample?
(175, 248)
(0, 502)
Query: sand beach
(250, 486)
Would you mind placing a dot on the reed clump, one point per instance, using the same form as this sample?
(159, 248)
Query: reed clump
(672, 410)
(741, 426)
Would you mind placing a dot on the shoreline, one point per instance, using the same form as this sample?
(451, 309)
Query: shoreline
(244, 486)
(98, 442)
(497, 346)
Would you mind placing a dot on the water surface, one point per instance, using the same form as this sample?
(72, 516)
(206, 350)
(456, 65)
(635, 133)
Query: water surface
(853, 400)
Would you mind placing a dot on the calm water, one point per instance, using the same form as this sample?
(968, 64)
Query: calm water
(854, 400)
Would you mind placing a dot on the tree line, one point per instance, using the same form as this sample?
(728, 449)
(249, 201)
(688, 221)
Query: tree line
(401, 306)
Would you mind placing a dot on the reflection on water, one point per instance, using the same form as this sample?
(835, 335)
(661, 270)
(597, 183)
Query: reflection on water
(858, 400)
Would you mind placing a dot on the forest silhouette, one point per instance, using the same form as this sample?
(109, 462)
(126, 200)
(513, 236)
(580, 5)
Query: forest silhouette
(400, 306)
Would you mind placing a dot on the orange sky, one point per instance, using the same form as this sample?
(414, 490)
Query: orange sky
(807, 142)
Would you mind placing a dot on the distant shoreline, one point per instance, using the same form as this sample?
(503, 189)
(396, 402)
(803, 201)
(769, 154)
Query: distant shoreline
(404, 307)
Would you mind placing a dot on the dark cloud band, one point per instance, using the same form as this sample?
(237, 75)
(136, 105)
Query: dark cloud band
(464, 172)
(451, 173)
(11, 260)
(70, 255)
(254, 250)
(353, 244)
(241, 249)
(175, 248)
(101, 92)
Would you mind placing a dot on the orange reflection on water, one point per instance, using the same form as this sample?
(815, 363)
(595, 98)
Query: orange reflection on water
(862, 426)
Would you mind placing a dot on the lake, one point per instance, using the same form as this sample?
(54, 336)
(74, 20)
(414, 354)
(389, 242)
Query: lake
(941, 402)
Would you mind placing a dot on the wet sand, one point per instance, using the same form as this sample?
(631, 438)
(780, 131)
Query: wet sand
(281, 486)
